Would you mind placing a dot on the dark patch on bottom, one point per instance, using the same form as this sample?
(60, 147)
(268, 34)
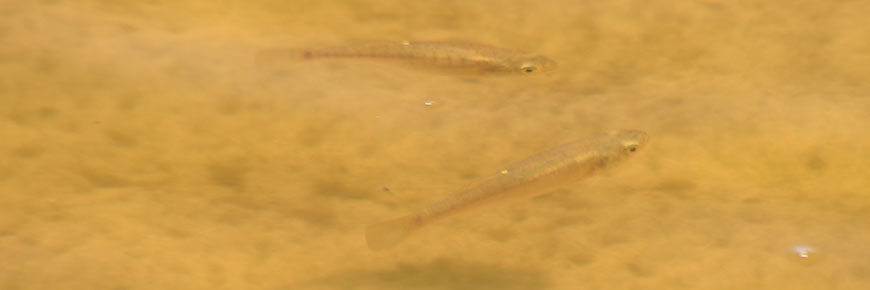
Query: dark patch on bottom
(320, 216)
(439, 274)
(580, 260)
(229, 174)
(100, 178)
(338, 189)
(639, 269)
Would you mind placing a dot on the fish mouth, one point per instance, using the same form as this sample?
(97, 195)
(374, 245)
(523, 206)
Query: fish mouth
(537, 63)
(636, 136)
(546, 64)
(549, 64)
(642, 136)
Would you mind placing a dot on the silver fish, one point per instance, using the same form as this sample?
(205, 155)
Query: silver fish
(454, 57)
(542, 173)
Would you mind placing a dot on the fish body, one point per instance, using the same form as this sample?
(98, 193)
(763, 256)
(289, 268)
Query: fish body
(542, 173)
(456, 57)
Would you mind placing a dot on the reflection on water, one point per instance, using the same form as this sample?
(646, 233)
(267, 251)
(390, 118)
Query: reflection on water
(142, 147)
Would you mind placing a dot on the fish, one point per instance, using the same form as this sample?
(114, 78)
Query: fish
(542, 173)
(452, 57)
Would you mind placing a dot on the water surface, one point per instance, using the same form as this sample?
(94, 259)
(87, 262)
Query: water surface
(143, 149)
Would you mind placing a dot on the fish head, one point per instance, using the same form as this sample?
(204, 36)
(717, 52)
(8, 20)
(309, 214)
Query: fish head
(533, 64)
(621, 145)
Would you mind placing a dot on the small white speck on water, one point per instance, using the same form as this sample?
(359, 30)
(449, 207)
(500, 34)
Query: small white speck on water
(504, 171)
(803, 251)
(429, 103)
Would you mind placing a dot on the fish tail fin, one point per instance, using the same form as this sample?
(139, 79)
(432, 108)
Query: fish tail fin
(278, 57)
(385, 235)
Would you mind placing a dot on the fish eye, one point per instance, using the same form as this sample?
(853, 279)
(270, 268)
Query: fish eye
(631, 147)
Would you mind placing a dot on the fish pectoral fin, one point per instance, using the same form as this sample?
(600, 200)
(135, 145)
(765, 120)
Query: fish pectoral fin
(385, 235)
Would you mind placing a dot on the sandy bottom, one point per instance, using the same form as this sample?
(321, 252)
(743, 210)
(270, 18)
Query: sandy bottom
(141, 148)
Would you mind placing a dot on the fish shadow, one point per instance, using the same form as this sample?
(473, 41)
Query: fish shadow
(438, 274)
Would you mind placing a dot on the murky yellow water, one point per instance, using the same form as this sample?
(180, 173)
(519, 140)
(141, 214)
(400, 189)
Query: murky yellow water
(141, 148)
